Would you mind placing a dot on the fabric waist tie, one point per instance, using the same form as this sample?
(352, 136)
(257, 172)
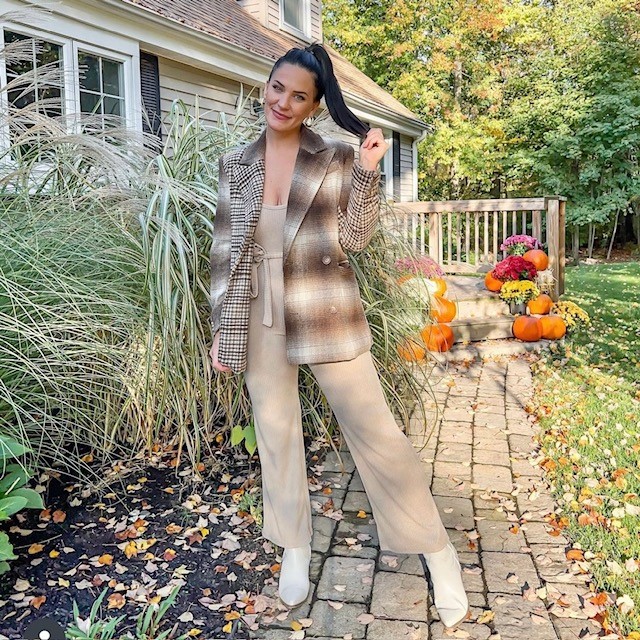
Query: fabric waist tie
(261, 257)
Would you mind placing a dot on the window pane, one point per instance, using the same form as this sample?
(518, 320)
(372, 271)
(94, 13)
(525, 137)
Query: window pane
(51, 99)
(113, 106)
(293, 13)
(47, 53)
(112, 77)
(89, 102)
(89, 72)
(20, 98)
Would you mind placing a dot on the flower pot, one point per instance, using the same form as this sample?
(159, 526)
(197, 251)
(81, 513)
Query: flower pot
(517, 308)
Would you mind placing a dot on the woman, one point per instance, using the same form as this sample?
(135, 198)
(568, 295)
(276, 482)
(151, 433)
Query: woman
(283, 294)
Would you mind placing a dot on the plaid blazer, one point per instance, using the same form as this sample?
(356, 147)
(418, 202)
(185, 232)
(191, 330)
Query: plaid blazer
(333, 207)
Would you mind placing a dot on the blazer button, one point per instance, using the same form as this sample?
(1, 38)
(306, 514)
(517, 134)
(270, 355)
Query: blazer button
(333, 310)
(326, 259)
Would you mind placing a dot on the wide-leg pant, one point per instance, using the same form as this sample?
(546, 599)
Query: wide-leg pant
(403, 507)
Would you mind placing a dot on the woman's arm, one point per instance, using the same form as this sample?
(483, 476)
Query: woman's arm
(359, 207)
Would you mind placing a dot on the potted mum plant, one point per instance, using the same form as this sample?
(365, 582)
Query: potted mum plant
(516, 293)
(518, 245)
(514, 268)
(422, 267)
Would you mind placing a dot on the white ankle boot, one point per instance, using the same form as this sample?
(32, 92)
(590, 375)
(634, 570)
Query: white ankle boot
(445, 579)
(293, 586)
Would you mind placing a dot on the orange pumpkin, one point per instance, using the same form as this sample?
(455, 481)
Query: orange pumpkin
(553, 327)
(527, 328)
(493, 284)
(411, 350)
(541, 305)
(538, 258)
(438, 337)
(441, 286)
(442, 310)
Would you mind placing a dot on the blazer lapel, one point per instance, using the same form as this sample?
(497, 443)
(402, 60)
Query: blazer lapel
(314, 158)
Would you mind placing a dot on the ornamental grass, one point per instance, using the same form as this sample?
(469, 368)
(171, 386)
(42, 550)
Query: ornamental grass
(104, 279)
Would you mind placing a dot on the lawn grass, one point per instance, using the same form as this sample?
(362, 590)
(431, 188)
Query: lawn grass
(588, 400)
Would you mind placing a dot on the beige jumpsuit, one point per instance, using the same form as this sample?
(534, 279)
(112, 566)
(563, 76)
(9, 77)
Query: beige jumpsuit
(403, 508)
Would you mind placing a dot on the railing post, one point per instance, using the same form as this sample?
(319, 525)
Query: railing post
(434, 237)
(555, 206)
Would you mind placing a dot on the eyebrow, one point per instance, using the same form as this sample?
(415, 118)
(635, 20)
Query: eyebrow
(303, 93)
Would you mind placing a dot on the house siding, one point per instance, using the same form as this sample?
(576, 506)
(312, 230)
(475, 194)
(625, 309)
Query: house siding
(406, 169)
(256, 8)
(180, 82)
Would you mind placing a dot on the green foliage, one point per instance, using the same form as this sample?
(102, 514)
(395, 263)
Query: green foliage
(523, 97)
(147, 626)
(247, 435)
(588, 401)
(13, 495)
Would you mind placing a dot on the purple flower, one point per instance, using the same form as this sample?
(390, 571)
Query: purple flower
(519, 244)
(423, 266)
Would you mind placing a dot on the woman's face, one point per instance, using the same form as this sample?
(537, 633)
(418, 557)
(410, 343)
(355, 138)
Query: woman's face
(289, 97)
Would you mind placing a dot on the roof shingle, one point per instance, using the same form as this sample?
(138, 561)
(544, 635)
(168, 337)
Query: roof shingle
(226, 20)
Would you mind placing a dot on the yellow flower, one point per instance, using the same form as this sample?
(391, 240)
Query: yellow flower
(519, 291)
(573, 315)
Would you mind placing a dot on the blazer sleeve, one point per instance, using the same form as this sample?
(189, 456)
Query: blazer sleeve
(359, 208)
(220, 256)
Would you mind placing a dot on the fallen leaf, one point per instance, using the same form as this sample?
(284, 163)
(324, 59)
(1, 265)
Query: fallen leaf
(485, 617)
(37, 602)
(59, 516)
(36, 548)
(105, 559)
(365, 618)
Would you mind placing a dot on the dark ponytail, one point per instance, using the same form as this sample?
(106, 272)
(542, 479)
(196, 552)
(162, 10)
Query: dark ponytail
(316, 60)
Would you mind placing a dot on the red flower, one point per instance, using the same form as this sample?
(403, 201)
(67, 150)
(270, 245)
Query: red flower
(514, 268)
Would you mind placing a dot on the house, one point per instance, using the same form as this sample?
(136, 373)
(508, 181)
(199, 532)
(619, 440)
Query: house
(144, 54)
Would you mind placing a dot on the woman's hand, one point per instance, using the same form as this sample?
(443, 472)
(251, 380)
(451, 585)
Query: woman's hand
(373, 149)
(217, 365)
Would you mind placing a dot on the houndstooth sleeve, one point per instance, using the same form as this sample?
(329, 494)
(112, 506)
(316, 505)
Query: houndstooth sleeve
(220, 256)
(359, 208)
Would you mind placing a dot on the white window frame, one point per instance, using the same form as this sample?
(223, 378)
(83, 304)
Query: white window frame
(285, 26)
(126, 61)
(71, 45)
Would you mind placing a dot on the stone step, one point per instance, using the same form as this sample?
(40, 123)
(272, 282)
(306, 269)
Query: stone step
(482, 328)
(481, 307)
(489, 349)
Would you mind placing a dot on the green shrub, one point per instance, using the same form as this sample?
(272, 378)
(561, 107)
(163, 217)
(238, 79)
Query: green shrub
(14, 496)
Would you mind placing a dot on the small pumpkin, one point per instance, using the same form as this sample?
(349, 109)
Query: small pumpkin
(411, 350)
(527, 328)
(493, 284)
(538, 258)
(553, 327)
(440, 286)
(438, 337)
(442, 310)
(541, 305)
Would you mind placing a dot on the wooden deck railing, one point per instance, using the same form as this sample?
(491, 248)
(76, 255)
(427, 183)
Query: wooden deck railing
(464, 236)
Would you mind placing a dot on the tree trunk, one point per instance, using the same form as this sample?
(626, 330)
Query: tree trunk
(576, 244)
(613, 234)
(592, 238)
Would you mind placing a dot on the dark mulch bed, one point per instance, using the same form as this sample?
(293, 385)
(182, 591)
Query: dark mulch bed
(154, 527)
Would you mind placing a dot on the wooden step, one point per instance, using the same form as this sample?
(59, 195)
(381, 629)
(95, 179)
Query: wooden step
(482, 328)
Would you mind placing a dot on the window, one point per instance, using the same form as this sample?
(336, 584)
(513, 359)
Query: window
(58, 76)
(295, 14)
(101, 83)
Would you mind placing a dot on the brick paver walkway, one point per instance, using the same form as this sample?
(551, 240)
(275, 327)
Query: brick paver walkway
(480, 459)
